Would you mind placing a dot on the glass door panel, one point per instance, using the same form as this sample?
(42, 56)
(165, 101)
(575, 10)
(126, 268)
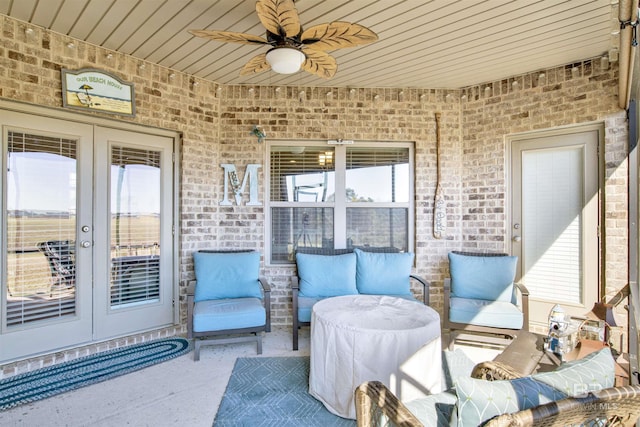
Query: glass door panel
(552, 203)
(41, 224)
(135, 226)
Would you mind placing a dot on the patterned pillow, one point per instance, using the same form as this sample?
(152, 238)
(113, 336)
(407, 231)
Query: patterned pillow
(593, 372)
(434, 410)
(480, 400)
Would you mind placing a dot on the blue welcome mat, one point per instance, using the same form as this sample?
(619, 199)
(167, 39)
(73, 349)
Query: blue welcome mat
(46, 382)
(273, 391)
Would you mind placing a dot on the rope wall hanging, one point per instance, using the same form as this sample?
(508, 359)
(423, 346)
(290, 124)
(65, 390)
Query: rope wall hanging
(439, 205)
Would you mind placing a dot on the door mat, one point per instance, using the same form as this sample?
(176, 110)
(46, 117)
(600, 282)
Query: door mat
(273, 391)
(66, 376)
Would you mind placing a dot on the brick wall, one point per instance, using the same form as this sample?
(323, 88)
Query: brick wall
(216, 122)
(474, 124)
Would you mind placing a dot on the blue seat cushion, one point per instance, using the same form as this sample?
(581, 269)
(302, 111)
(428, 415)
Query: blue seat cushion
(227, 275)
(483, 277)
(381, 273)
(326, 275)
(304, 307)
(224, 314)
(480, 312)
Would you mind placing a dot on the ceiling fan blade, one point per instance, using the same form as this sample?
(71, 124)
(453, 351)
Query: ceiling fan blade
(336, 35)
(229, 36)
(257, 64)
(279, 17)
(320, 63)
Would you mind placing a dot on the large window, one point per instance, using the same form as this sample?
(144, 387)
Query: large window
(339, 196)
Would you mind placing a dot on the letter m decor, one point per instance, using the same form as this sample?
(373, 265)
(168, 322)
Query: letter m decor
(231, 179)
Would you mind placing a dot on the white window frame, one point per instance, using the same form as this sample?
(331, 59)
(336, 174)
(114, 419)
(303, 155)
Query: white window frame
(340, 204)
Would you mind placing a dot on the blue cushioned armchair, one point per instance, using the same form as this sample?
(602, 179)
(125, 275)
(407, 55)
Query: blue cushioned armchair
(230, 301)
(482, 297)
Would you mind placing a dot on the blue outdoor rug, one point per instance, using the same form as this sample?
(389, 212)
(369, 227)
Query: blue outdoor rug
(273, 391)
(49, 381)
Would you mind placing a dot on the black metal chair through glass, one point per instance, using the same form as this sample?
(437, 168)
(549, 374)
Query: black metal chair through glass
(61, 257)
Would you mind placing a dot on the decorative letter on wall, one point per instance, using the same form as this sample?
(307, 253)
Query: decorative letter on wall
(231, 178)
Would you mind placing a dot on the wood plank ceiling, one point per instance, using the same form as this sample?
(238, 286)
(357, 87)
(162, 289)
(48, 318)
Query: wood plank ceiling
(422, 44)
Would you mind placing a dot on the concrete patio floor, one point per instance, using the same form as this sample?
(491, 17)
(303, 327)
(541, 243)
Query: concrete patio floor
(179, 392)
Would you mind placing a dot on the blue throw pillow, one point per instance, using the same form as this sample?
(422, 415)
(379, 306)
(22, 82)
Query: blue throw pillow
(226, 275)
(326, 275)
(482, 277)
(380, 273)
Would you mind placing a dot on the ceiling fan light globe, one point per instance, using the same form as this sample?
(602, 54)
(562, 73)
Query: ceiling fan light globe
(285, 60)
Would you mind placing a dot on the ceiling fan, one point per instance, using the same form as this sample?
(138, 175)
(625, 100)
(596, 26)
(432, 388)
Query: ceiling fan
(292, 47)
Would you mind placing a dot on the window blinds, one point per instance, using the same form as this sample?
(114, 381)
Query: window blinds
(135, 226)
(40, 276)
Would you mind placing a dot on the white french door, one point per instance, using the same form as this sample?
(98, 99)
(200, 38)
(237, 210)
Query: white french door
(133, 233)
(86, 236)
(554, 219)
(46, 200)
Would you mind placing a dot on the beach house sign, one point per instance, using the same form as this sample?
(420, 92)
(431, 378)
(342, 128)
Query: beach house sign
(95, 90)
